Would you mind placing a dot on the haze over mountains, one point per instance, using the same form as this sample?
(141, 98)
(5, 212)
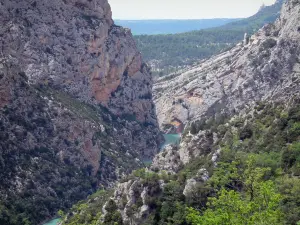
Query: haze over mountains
(170, 26)
(167, 53)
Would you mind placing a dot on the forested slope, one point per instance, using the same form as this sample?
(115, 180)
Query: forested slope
(166, 52)
(254, 181)
(238, 161)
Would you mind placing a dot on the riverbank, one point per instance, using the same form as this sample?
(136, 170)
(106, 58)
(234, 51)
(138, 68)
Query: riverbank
(169, 139)
(53, 222)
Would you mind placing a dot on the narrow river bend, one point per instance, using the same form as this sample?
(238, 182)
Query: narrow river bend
(169, 139)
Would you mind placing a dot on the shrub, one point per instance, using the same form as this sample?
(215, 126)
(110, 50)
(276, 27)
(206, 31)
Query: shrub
(291, 157)
(246, 132)
(294, 132)
(294, 113)
(269, 43)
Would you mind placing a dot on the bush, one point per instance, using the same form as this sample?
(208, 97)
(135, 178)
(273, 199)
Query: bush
(294, 132)
(269, 43)
(113, 216)
(294, 113)
(246, 132)
(291, 157)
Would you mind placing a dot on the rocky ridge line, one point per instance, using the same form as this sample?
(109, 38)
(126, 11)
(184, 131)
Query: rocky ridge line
(265, 67)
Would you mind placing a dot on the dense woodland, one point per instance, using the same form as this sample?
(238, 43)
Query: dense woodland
(165, 53)
(256, 180)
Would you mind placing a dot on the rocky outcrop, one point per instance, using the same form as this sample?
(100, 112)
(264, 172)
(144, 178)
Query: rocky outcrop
(130, 197)
(194, 146)
(265, 68)
(76, 106)
(75, 46)
(167, 160)
(211, 95)
(191, 184)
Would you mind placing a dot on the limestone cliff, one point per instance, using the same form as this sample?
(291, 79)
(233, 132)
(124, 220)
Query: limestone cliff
(74, 46)
(76, 105)
(240, 103)
(265, 67)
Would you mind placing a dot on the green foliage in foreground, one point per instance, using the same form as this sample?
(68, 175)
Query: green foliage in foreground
(257, 204)
(87, 212)
(269, 139)
(256, 180)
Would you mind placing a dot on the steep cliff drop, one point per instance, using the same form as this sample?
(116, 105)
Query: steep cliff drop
(265, 67)
(76, 108)
(242, 111)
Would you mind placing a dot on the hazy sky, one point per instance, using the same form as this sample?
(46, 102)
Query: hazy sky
(185, 9)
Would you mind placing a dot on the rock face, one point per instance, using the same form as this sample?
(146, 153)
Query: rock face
(128, 195)
(194, 146)
(267, 67)
(76, 108)
(74, 46)
(167, 160)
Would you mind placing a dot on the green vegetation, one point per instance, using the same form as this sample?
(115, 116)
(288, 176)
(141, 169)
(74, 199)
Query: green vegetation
(84, 213)
(80, 108)
(256, 180)
(176, 50)
(259, 203)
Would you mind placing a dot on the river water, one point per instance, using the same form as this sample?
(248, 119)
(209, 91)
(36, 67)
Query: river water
(53, 222)
(169, 139)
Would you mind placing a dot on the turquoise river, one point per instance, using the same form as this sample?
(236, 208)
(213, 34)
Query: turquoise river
(169, 139)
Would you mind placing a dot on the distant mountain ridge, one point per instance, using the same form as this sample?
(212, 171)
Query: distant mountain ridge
(171, 26)
(165, 53)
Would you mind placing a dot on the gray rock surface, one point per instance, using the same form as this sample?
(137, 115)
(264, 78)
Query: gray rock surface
(131, 199)
(75, 46)
(167, 160)
(268, 67)
(195, 145)
(76, 110)
(190, 184)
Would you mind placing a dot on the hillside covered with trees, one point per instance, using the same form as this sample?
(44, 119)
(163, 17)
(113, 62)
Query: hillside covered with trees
(165, 53)
(255, 181)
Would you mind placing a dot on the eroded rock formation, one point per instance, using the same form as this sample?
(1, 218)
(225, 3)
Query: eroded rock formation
(265, 68)
(76, 105)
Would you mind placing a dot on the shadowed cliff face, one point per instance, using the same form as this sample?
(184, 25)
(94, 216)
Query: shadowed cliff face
(74, 45)
(218, 99)
(76, 105)
(265, 66)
